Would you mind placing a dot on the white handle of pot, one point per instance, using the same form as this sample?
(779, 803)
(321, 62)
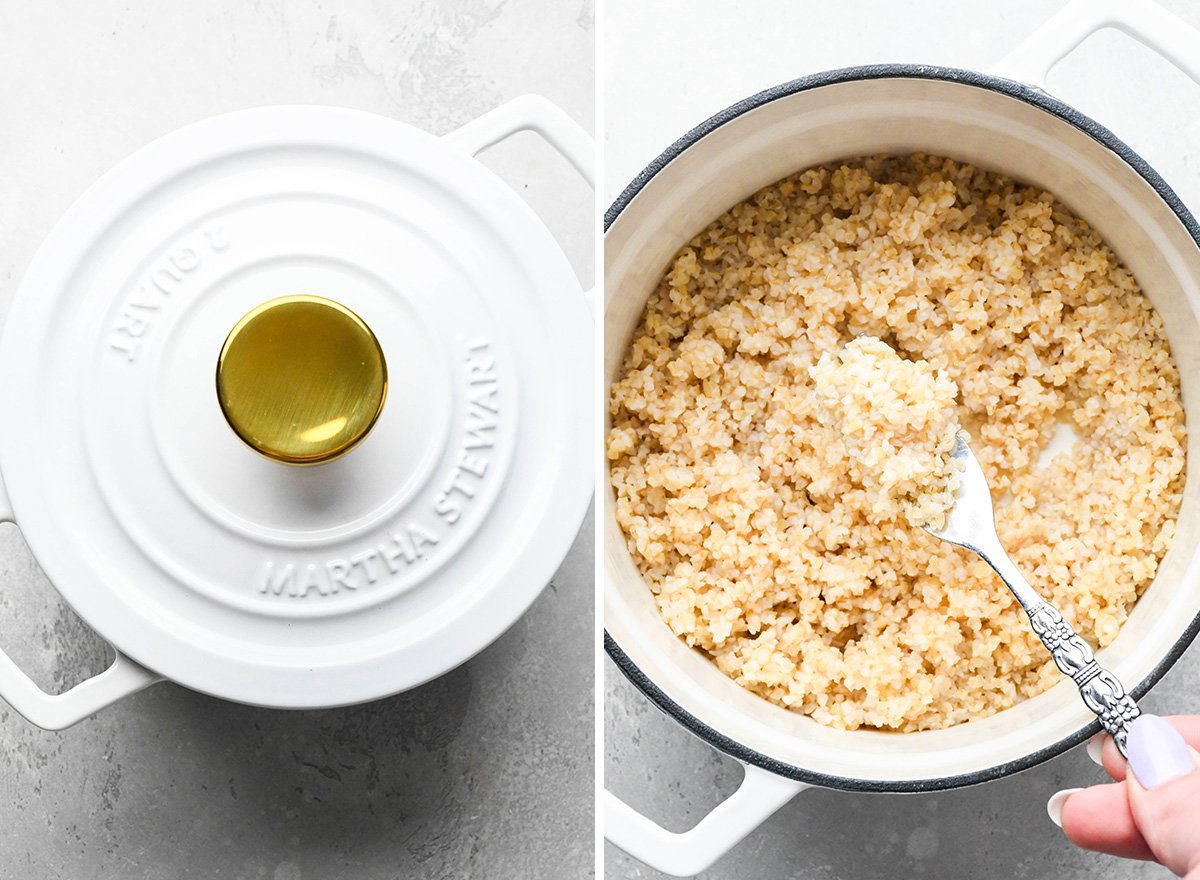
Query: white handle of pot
(56, 711)
(687, 853)
(1145, 21)
(537, 114)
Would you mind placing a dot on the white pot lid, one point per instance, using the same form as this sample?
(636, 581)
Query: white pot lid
(242, 577)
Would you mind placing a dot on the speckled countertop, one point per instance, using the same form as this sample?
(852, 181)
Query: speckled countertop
(484, 772)
(653, 94)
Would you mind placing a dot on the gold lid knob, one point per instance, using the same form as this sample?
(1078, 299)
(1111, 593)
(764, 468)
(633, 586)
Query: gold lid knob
(301, 379)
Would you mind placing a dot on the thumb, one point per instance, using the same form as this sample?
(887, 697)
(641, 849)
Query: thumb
(1164, 793)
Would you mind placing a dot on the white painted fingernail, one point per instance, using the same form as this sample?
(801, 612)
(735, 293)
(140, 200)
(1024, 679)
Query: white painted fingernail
(1054, 806)
(1095, 748)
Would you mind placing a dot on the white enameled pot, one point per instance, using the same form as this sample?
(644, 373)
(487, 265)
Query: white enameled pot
(993, 120)
(207, 564)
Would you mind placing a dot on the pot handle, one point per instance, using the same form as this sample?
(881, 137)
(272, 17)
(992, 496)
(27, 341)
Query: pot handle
(1145, 21)
(57, 711)
(687, 853)
(540, 115)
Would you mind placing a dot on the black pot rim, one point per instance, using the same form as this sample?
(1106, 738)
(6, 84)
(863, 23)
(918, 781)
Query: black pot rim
(976, 79)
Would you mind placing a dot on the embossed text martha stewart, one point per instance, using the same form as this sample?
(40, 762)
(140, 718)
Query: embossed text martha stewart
(416, 541)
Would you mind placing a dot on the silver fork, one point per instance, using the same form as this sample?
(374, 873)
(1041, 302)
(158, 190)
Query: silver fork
(970, 523)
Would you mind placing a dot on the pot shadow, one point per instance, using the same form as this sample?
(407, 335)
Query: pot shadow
(339, 784)
(997, 830)
(490, 763)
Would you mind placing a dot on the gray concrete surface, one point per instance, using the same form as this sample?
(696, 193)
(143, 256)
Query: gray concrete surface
(486, 772)
(664, 72)
(997, 831)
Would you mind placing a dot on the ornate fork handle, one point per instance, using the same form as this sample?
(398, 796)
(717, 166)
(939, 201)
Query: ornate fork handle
(971, 524)
(1101, 690)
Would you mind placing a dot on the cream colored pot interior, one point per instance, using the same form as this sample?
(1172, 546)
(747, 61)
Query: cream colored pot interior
(994, 131)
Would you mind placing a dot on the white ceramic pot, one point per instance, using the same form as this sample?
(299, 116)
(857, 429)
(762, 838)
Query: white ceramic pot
(204, 563)
(991, 120)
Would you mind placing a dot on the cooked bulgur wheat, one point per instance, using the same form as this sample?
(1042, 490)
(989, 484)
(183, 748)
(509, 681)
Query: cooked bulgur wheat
(741, 507)
(896, 419)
